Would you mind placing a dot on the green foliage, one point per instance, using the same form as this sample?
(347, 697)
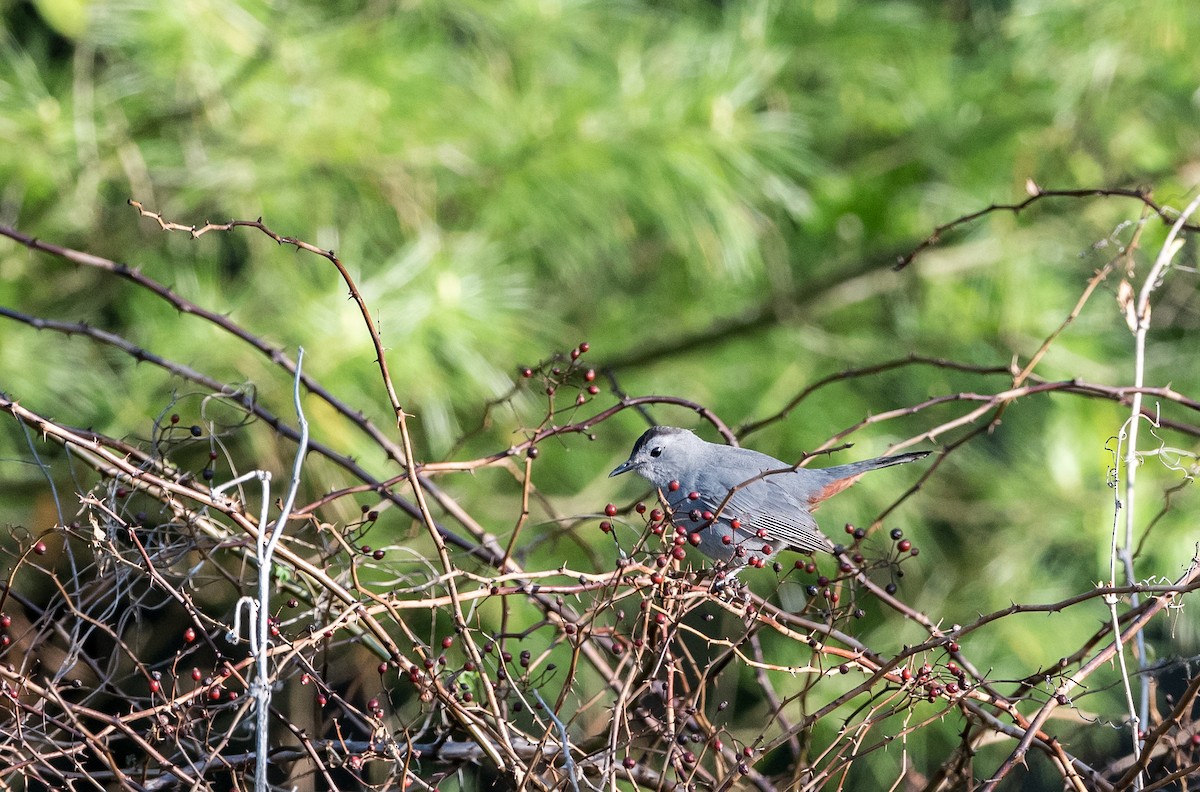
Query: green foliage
(711, 194)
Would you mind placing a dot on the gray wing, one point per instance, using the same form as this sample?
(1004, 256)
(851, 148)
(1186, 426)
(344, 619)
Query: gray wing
(766, 504)
(769, 506)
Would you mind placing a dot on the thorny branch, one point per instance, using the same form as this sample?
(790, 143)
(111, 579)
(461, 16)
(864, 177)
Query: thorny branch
(404, 664)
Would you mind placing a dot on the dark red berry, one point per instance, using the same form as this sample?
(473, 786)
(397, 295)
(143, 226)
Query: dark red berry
(189, 635)
(526, 372)
(605, 526)
(673, 486)
(904, 546)
(610, 510)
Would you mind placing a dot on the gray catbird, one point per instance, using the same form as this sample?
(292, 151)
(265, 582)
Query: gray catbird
(736, 505)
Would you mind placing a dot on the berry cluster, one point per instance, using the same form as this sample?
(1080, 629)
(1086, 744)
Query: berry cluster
(565, 370)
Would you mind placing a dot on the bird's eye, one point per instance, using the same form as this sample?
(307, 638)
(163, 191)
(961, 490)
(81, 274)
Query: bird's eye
(656, 452)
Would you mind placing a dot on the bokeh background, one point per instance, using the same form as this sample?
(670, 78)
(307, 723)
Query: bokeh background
(711, 194)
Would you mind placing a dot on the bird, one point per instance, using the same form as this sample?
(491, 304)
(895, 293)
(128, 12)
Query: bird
(738, 506)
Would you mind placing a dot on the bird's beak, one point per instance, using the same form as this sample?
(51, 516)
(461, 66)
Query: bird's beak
(624, 467)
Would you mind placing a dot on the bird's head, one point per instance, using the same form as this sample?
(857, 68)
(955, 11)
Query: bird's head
(662, 454)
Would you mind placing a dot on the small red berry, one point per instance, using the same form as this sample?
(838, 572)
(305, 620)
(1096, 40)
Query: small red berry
(526, 372)
(904, 546)
(694, 538)
(673, 486)
(610, 510)
(39, 547)
(189, 635)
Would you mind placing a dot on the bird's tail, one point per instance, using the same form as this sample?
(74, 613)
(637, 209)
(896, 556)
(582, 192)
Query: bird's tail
(840, 477)
(855, 469)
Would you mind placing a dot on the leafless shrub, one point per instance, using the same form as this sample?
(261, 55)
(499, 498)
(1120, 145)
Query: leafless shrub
(129, 617)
